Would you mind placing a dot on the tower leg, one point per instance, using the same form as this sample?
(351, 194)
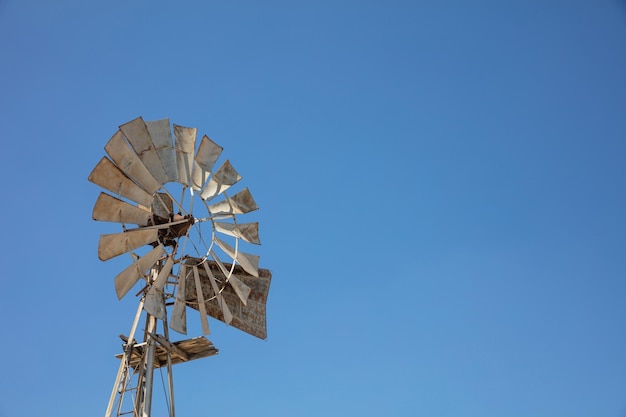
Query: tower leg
(170, 376)
(149, 366)
(123, 374)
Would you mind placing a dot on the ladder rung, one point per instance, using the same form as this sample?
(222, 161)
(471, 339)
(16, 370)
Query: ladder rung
(127, 389)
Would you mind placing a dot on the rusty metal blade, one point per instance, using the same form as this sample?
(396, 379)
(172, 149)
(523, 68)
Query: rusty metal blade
(125, 280)
(224, 177)
(185, 144)
(178, 322)
(243, 202)
(137, 134)
(246, 231)
(201, 305)
(111, 209)
(241, 289)
(249, 262)
(127, 160)
(161, 134)
(227, 315)
(116, 244)
(240, 203)
(205, 159)
(155, 299)
(111, 178)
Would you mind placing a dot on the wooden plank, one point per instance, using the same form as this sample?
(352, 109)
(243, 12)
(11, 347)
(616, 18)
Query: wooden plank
(196, 348)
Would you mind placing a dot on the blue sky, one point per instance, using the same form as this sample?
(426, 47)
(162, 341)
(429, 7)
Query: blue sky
(441, 192)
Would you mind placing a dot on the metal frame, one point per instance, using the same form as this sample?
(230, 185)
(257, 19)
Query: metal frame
(138, 362)
(140, 377)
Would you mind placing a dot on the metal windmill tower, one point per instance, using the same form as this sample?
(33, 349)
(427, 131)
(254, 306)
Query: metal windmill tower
(176, 248)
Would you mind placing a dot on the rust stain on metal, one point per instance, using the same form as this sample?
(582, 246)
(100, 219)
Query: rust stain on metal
(250, 318)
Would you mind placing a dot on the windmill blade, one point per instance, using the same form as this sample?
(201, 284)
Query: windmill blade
(155, 300)
(243, 202)
(116, 244)
(111, 209)
(178, 322)
(224, 177)
(125, 280)
(111, 178)
(205, 159)
(249, 262)
(185, 138)
(137, 134)
(201, 305)
(197, 174)
(161, 134)
(208, 153)
(127, 160)
(240, 203)
(162, 205)
(228, 316)
(241, 289)
(246, 231)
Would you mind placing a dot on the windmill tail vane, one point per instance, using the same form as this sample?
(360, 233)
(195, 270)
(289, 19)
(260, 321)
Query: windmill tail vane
(179, 224)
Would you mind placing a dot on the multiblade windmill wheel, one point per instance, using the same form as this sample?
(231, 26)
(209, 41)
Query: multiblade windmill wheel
(180, 224)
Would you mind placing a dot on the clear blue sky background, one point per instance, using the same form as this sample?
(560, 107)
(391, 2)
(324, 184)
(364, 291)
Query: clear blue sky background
(441, 190)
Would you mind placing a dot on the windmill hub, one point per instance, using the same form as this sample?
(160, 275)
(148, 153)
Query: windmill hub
(177, 230)
(162, 210)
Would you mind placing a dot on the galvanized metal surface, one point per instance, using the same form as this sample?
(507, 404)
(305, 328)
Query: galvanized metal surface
(155, 298)
(178, 321)
(246, 231)
(241, 289)
(125, 280)
(128, 161)
(222, 179)
(139, 137)
(161, 133)
(248, 261)
(206, 157)
(228, 317)
(240, 203)
(250, 318)
(115, 244)
(200, 296)
(185, 144)
(110, 177)
(112, 209)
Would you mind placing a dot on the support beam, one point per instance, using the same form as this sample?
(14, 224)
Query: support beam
(171, 347)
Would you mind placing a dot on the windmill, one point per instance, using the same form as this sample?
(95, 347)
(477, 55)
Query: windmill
(179, 223)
